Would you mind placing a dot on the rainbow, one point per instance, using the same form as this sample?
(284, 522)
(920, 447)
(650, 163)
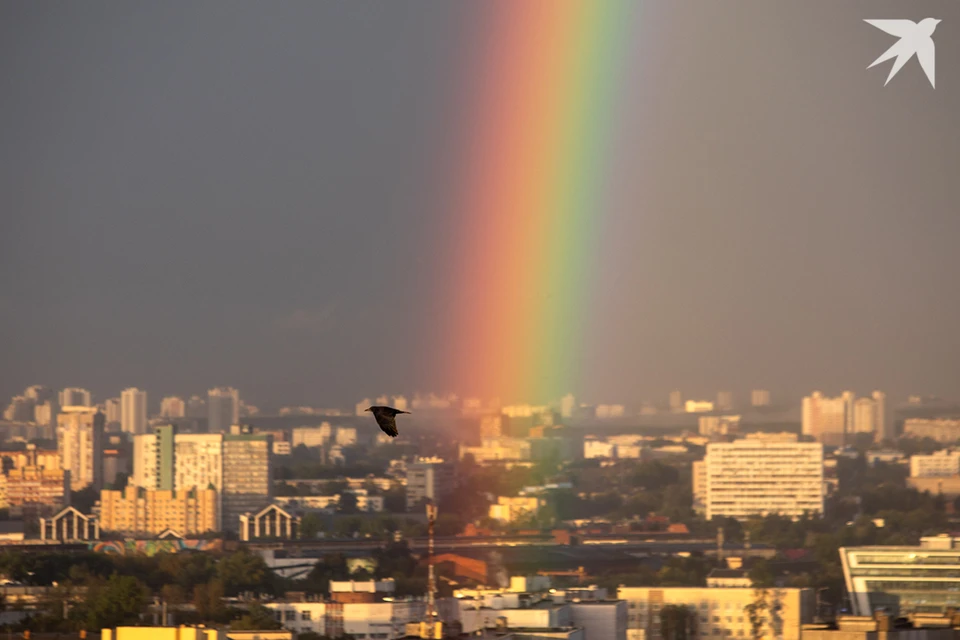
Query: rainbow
(530, 206)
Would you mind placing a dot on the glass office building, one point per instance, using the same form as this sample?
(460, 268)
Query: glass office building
(902, 580)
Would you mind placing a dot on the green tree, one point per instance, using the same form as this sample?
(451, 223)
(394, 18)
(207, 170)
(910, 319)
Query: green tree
(208, 601)
(244, 571)
(677, 622)
(113, 603)
(310, 526)
(756, 612)
(347, 503)
(257, 618)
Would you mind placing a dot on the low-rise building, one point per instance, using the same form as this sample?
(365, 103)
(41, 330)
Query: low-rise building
(903, 579)
(721, 612)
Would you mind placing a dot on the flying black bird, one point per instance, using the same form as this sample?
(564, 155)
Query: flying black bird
(387, 419)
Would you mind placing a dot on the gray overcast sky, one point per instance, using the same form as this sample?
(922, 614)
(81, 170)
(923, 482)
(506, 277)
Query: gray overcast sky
(195, 194)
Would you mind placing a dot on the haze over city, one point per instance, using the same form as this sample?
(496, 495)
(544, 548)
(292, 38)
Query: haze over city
(265, 200)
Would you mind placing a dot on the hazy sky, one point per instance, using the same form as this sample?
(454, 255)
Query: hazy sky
(252, 194)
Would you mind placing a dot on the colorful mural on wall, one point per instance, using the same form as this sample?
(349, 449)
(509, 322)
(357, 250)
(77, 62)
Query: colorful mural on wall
(153, 547)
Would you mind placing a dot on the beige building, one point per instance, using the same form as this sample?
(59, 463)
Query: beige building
(141, 511)
(942, 464)
(759, 475)
(510, 509)
(80, 445)
(720, 612)
(940, 429)
(34, 489)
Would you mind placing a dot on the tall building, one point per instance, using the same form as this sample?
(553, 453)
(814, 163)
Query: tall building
(428, 479)
(80, 444)
(74, 397)
(38, 393)
(223, 409)
(724, 401)
(36, 484)
(143, 511)
(676, 402)
(760, 398)
(112, 409)
(173, 407)
(721, 612)
(864, 415)
(828, 419)
(196, 407)
(133, 411)
(718, 425)
(568, 405)
(20, 409)
(883, 429)
(247, 475)
(762, 474)
(178, 461)
(903, 579)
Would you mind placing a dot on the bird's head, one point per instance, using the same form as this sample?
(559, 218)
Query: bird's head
(369, 409)
(930, 23)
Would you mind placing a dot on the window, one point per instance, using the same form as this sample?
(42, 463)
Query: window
(304, 615)
(289, 616)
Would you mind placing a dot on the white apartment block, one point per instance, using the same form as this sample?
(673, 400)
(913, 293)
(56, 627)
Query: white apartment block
(942, 464)
(757, 476)
(833, 421)
(312, 436)
(939, 429)
(721, 613)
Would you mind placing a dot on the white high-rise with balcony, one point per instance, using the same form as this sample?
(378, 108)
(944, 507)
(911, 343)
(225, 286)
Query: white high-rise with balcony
(133, 411)
(757, 476)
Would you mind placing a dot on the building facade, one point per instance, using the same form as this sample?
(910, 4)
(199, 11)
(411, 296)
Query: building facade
(80, 445)
(757, 476)
(247, 475)
(223, 409)
(720, 613)
(428, 479)
(904, 580)
(138, 511)
(133, 411)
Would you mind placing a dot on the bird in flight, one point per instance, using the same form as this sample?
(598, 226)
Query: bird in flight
(915, 38)
(387, 419)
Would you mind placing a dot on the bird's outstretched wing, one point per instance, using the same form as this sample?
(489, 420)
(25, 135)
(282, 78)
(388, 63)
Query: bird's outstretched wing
(387, 423)
(898, 28)
(926, 54)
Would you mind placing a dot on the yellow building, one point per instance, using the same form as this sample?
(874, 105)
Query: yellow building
(189, 633)
(511, 509)
(720, 612)
(136, 510)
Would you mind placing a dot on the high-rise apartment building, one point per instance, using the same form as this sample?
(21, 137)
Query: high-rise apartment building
(568, 404)
(74, 397)
(80, 444)
(724, 401)
(760, 398)
(112, 409)
(428, 479)
(942, 464)
(676, 402)
(196, 407)
(133, 411)
(247, 474)
(173, 407)
(137, 511)
(223, 409)
(837, 421)
(760, 475)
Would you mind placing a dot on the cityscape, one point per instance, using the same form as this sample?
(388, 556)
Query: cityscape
(479, 320)
(743, 515)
